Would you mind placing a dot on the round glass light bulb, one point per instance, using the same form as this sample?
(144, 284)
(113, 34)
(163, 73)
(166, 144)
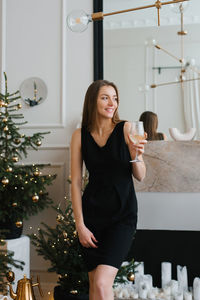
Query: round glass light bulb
(143, 88)
(190, 61)
(177, 79)
(184, 61)
(78, 20)
(179, 7)
(183, 77)
(150, 42)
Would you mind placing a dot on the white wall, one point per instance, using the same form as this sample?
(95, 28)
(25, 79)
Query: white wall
(39, 44)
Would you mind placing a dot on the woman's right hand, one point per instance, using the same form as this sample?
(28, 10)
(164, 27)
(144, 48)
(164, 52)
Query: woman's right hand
(86, 237)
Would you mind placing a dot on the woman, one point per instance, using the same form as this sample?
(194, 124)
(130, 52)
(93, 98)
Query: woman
(150, 121)
(106, 214)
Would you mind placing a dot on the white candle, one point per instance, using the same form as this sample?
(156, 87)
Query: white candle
(119, 295)
(139, 270)
(155, 290)
(178, 296)
(149, 280)
(167, 290)
(143, 292)
(187, 296)
(166, 273)
(182, 278)
(151, 294)
(134, 295)
(125, 293)
(196, 288)
(174, 287)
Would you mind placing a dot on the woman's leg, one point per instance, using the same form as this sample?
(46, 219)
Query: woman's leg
(101, 282)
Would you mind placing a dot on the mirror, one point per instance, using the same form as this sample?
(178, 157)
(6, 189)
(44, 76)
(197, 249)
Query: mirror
(33, 91)
(131, 61)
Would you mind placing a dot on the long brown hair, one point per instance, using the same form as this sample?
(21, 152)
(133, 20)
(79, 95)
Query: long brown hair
(90, 104)
(150, 121)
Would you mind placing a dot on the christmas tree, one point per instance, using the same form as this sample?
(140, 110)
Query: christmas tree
(22, 187)
(6, 261)
(60, 246)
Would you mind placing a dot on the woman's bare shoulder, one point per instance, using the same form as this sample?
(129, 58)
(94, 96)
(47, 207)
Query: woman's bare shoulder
(127, 126)
(76, 136)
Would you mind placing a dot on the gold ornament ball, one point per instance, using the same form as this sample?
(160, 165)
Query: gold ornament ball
(59, 218)
(15, 158)
(65, 234)
(5, 120)
(131, 276)
(19, 224)
(74, 292)
(2, 103)
(10, 276)
(19, 106)
(17, 141)
(5, 128)
(5, 180)
(38, 143)
(9, 169)
(37, 173)
(35, 198)
(14, 204)
(40, 192)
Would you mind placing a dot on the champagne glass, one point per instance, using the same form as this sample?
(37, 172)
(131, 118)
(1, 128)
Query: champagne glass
(136, 134)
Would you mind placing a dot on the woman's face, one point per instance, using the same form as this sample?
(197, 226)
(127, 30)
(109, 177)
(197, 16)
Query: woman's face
(107, 102)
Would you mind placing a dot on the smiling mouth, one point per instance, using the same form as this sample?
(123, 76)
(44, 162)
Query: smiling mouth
(109, 109)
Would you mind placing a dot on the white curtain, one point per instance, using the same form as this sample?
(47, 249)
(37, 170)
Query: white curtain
(192, 102)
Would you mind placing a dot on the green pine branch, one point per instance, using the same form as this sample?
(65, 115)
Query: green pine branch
(6, 261)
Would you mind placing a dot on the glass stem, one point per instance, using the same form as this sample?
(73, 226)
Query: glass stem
(136, 155)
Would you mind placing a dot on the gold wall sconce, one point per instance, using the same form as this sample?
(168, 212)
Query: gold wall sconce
(78, 20)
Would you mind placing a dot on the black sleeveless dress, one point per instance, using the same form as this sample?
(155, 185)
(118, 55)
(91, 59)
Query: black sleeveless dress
(109, 202)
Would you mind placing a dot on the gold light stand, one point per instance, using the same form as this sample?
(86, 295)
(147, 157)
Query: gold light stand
(181, 33)
(158, 5)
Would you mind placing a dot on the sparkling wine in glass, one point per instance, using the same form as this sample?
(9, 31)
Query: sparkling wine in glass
(136, 134)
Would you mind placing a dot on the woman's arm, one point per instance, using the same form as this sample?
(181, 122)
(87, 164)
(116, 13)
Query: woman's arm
(138, 168)
(76, 177)
(86, 237)
(165, 137)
